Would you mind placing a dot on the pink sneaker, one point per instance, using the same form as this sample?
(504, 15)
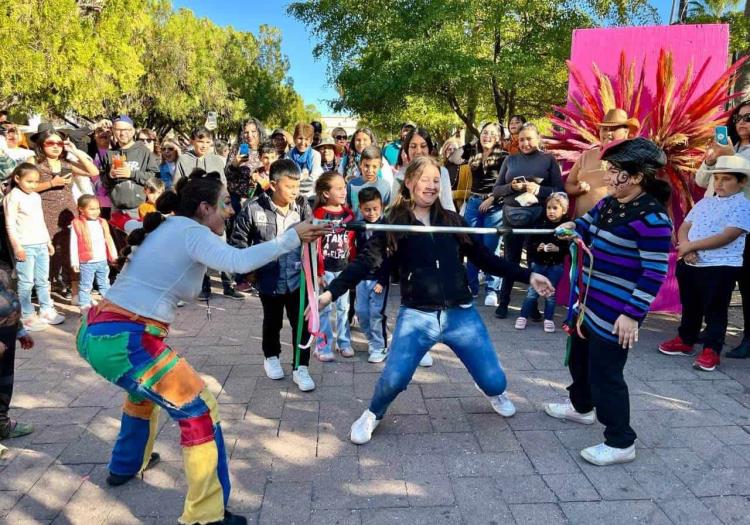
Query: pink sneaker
(521, 323)
(549, 326)
(324, 357)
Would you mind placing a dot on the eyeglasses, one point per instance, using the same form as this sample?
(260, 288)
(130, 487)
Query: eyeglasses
(53, 143)
(341, 137)
(742, 118)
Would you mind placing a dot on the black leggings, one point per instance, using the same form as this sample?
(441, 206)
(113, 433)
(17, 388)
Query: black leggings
(744, 284)
(596, 366)
(7, 365)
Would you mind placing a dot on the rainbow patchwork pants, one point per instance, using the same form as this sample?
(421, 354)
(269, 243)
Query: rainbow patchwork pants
(133, 355)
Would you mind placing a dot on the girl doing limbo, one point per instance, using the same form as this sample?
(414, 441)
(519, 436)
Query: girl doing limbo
(436, 303)
(123, 338)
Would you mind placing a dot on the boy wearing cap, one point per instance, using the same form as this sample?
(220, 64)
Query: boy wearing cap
(711, 241)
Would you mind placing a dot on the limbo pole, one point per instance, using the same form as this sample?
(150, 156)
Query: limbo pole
(412, 228)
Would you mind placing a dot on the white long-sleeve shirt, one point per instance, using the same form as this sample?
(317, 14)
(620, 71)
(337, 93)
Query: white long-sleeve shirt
(170, 264)
(24, 218)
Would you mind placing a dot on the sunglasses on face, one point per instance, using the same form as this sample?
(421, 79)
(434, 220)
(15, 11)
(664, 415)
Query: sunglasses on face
(168, 149)
(340, 137)
(742, 118)
(53, 143)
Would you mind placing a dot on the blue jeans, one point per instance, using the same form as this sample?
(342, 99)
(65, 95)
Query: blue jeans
(341, 305)
(416, 332)
(34, 271)
(552, 272)
(368, 306)
(98, 270)
(491, 219)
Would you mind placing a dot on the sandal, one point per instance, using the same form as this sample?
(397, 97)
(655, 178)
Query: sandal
(15, 429)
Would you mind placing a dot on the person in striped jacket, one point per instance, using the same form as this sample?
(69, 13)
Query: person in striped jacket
(630, 235)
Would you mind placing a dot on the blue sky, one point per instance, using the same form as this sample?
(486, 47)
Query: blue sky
(308, 74)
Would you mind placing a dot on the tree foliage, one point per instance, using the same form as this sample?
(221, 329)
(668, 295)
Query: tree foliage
(167, 68)
(471, 58)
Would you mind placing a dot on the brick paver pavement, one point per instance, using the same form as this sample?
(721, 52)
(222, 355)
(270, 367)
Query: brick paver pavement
(440, 456)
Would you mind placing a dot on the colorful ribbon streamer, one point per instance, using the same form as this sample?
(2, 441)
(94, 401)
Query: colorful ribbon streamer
(577, 251)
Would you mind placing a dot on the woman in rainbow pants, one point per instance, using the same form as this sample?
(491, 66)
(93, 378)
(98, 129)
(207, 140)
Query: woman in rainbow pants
(123, 338)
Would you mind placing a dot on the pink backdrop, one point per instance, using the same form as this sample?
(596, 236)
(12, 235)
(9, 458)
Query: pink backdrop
(687, 43)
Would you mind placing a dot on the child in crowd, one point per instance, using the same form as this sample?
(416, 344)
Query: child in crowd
(710, 243)
(372, 291)
(330, 152)
(153, 188)
(370, 162)
(30, 240)
(546, 255)
(268, 155)
(92, 248)
(10, 330)
(262, 219)
(306, 158)
(336, 249)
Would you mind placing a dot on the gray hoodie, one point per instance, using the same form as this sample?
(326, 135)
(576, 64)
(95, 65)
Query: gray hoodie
(188, 161)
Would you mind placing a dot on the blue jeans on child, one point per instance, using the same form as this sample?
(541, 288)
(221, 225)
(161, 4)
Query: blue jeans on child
(553, 272)
(34, 271)
(417, 331)
(491, 219)
(368, 306)
(341, 305)
(98, 270)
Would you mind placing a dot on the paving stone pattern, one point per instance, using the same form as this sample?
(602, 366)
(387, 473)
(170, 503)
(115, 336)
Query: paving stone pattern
(441, 456)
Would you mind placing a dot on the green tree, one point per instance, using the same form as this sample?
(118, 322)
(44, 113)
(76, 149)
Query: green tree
(472, 58)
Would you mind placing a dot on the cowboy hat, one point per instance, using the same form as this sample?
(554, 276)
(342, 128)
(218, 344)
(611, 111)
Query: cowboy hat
(44, 127)
(732, 164)
(618, 117)
(328, 142)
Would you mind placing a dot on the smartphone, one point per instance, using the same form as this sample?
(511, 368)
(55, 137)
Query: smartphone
(519, 179)
(66, 173)
(211, 119)
(721, 135)
(244, 150)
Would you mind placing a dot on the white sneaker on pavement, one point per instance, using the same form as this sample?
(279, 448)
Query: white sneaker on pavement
(363, 428)
(33, 324)
(51, 317)
(377, 356)
(491, 299)
(566, 411)
(302, 379)
(426, 360)
(503, 405)
(602, 454)
(273, 369)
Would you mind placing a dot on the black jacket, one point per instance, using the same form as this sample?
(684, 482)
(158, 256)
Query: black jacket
(433, 275)
(256, 223)
(128, 194)
(546, 258)
(382, 274)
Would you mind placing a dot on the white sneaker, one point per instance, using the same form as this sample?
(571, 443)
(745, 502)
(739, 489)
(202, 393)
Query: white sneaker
(363, 428)
(51, 317)
(181, 303)
(273, 369)
(566, 411)
(302, 379)
(377, 356)
(426, 360)
(602, 454)
(33, 324)
(491, 299)
(503, 405)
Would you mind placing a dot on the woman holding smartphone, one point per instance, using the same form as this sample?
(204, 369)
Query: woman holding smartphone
(58, 160)
(525, 181)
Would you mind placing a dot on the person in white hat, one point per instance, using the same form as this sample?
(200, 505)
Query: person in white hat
(710, 245)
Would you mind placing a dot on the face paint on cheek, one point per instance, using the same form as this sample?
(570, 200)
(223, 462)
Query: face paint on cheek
(622, 179)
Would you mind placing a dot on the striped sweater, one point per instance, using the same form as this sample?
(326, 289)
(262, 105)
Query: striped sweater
(630, 244)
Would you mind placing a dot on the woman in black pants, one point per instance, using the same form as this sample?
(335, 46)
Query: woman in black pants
(528, 176)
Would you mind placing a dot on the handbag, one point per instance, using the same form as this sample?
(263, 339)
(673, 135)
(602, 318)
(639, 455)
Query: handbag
(519, 216)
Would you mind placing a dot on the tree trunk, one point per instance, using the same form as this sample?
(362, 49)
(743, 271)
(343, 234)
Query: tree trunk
(497, 97)
(743, 77)
(682, 12)
(467, 117)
